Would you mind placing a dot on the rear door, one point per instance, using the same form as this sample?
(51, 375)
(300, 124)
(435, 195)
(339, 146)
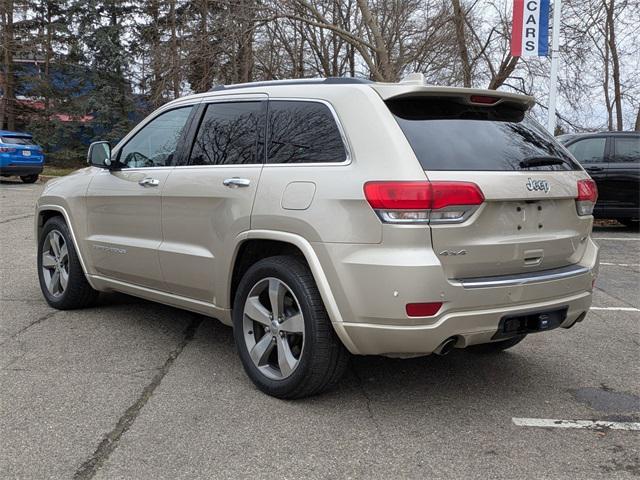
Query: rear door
(623, 176)
(593, 153)
(207, 203)
(528, 221)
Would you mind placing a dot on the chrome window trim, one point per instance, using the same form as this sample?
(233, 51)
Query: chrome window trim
(523, 278)
(341, 130)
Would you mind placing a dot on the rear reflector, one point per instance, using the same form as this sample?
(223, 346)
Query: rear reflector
(423, 309)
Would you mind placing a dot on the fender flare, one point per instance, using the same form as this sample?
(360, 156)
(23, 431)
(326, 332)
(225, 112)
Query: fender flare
(67, 220)
(316, 270)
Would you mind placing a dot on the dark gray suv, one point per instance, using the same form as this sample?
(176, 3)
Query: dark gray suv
(613, 161)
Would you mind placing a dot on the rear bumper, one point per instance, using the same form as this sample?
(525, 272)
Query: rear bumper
(21, 170)
(372, 285)
(469, 327)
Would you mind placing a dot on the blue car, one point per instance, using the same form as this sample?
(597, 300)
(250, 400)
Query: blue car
(20, 156)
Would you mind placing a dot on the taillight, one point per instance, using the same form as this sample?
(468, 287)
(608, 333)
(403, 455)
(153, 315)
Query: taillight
(587, 197)
(423, 201)
(7, 150)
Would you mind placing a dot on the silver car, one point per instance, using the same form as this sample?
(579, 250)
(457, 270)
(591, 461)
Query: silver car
(323, 218)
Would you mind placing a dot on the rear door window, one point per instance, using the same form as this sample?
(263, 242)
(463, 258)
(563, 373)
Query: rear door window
(17, 140)
(303, 132)
(627, 149)
(229, 134)
(589, 150)
(448, 135)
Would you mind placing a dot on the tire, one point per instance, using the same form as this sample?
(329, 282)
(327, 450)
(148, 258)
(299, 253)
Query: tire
(318, 359)
(29, 178)
(76, 292)
(629, 223)
(496, 347)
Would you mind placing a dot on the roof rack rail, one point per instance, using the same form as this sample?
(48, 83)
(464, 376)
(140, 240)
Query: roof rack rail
(301, 81)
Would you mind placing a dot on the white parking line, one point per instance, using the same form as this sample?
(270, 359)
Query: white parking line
(622, 239)
(617, 309)
(620, 264)
(588, 424)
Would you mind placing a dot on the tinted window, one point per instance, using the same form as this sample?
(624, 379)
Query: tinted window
(17, 140)
(448, 135)
(627, 149)
(155, 145)
(589, 150)
(228, 134)
(303, 132)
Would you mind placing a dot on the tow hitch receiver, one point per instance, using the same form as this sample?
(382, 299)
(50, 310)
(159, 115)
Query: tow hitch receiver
(532, 322)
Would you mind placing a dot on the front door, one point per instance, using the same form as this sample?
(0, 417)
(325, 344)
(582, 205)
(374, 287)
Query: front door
(124, 226)
(207, 203)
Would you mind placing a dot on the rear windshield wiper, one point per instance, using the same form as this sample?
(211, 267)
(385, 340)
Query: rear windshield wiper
(543, 161)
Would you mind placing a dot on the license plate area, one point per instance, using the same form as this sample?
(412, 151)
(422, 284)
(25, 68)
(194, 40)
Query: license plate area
(530, 322)
(26, 153)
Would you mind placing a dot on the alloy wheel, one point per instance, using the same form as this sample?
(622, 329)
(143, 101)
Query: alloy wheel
(273, 327)
(55, 263)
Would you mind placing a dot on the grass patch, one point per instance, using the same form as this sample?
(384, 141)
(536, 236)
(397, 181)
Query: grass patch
(57, 171)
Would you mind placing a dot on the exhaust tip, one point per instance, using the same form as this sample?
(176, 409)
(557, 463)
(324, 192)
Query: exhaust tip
(445, 347)
(577, 320)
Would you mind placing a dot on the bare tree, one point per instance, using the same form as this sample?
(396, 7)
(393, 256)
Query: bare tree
(7, 106)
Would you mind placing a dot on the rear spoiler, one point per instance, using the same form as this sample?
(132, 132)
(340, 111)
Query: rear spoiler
(470, 96)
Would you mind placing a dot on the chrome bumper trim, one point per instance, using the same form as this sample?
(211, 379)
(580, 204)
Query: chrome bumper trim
(523, 279)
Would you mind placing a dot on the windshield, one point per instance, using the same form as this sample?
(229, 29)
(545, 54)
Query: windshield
(448, 135)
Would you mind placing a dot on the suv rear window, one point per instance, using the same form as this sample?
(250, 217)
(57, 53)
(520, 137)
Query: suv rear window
(446, 134)
(17, 140)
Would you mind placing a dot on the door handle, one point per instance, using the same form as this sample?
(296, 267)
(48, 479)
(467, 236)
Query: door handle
(149, 182)
(236, 182)
(594, 169)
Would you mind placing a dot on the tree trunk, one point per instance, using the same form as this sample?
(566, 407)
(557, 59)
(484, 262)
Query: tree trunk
(46, 81)
(463, 51)
(615, 59)
(8, 114)
(383, 72)
(605, 81)
(156, 87)
(507, 67)
(638, 121)
(175, 72)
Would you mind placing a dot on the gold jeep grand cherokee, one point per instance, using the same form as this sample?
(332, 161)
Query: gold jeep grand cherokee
(322, 218)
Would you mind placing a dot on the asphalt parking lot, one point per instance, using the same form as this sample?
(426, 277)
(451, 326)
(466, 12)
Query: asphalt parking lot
(133, 389)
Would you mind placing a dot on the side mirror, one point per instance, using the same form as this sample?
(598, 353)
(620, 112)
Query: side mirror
(99, 155)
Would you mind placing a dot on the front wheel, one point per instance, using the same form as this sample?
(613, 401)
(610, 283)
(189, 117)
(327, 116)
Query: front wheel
(29, 178)
(629, 223)
(282, 331)
(62, 279)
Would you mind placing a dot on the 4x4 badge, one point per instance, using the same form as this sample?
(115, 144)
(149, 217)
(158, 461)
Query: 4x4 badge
(538, 185)
(453, 253)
